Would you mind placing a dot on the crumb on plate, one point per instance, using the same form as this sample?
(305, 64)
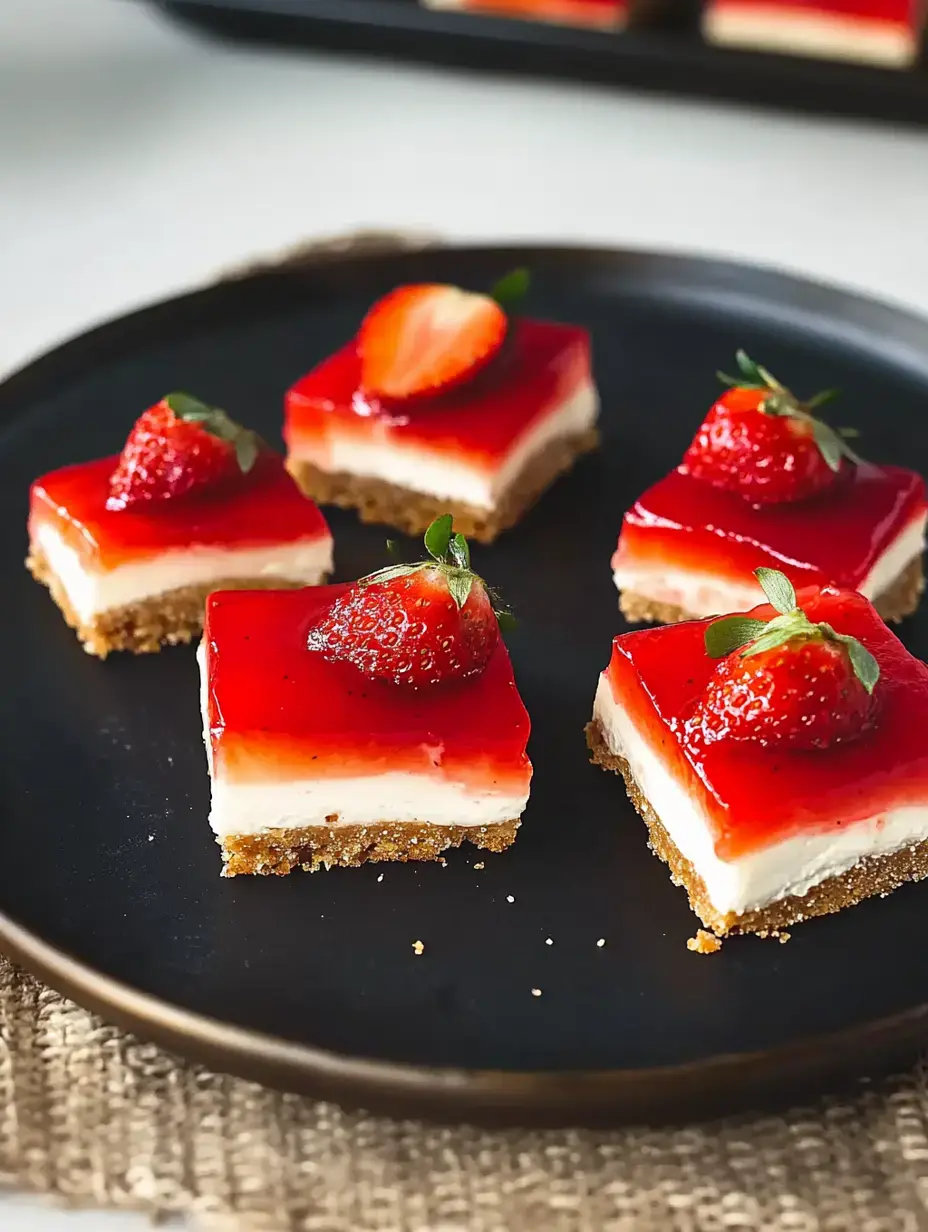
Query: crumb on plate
(704, 943)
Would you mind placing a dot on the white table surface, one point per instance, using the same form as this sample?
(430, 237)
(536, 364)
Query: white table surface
(137, 159)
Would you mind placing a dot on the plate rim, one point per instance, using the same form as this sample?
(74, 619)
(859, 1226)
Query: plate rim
(497, 1097)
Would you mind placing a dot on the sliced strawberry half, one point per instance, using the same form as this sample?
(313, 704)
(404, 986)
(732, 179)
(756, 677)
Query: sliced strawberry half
(422, 340)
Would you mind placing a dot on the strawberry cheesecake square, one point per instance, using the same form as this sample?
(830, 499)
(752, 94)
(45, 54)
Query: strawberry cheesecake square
(593, 14)
(444, 401)
(887, 33)
(777, 757)
(373, 721)
(130, 546)
(766, 481)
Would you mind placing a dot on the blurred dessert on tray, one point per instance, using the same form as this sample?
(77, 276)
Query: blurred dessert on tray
(599, 14)
(887, 33)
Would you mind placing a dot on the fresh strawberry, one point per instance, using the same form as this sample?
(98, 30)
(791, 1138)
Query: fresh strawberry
(177, 448)
(760, 441)
(786, 681)
(419, 624)
(422, 340)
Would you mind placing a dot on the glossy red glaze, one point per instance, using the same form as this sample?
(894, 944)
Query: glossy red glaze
(280, 710)
(755, 796)
(264, 508)
(540, 366)
(602, 13)
(876, 12)
(687, 523)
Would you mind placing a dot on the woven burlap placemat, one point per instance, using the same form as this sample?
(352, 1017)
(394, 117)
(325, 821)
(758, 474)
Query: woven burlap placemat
(91, 1116)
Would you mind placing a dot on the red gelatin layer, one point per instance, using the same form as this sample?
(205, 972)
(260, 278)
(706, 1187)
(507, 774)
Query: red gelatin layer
(541, 365)
(263, 509)
(755, 796)
(687, 523)
(279, 710)
(876, 12)
(600, 14)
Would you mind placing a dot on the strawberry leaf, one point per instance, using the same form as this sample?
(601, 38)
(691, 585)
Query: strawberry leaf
(753, 376)
(438, 537)
(186, 406)
(391, 572)
(730, 634)
(821, 398)
(246, 451)
(734, 381)
(865, 666)
(217, 423)
(748, 369)
(459, 551)
(459, 586)
(779, 630)
(780, 403)
(511, 290)
(507, 622)
(830, 445)
(778, 589)
(771, 382)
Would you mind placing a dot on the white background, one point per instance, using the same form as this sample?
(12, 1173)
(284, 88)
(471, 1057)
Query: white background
(137, 159)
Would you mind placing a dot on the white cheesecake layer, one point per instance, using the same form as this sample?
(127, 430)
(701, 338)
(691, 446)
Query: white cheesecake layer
(255, 808)
(437, 474)
(92, 592)
(792, 866)
(831, 36)
(703, 594)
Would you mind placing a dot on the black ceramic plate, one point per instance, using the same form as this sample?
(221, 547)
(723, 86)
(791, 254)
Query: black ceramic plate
(673, 58)
(109, 883)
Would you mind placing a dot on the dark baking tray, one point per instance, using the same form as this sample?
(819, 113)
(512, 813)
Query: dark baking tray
(674, 60)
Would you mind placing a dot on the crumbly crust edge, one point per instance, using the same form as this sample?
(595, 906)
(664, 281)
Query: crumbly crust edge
(278, 851)
(413, 512)
(871, 875)
(167, 619)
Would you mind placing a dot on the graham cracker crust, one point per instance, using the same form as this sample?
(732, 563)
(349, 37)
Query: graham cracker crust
(872, 875)
(703, 943)
(413, 512)
(313, 847)
(894, 604)
(638, 609)
(902, 598)
(167, 619)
